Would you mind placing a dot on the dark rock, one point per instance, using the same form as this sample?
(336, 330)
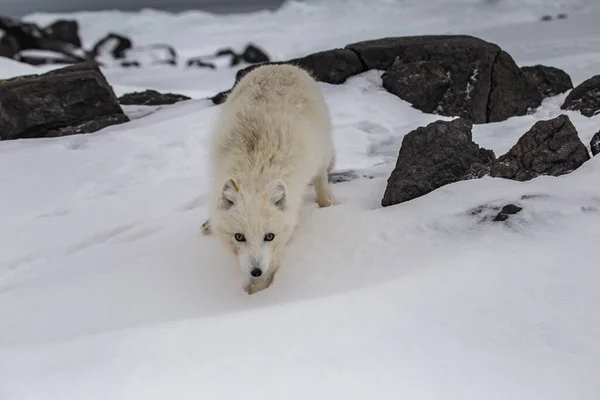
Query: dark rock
(346, 176)
(546, 18)
(20, 36)
(342, 176)
(441, 153)
(151, 98)
(9, 46)
(159, 53)
(595, 144)
(37, 57)
(511, 209)
(253, 55)
(511, 94)
(129, 64)
(236, 59)
(113, 44)
(561, 16)
(506, 212)
(199, 62)
(332, 66)
(220, 98)
(585, 98)
(549, 148)
(550, 81)
(422, 84)
(64, 31)
(451, 75)
(74, 99)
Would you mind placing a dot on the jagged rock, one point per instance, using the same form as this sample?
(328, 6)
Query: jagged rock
(550, 81)
(550, 147)
(451, 75)
(430, 157)
(253, 55)
(506, 212)
(42, 57)
(74, 99)
(199, 62)
(20, 36)
(332, 66)
(64, 31)
(151, 98)
(113, 44)
(585, 98)
(595, 144)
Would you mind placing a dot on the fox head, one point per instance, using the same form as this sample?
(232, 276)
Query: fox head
(254, 223)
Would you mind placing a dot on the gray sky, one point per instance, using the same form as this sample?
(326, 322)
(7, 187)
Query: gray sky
(18, 8)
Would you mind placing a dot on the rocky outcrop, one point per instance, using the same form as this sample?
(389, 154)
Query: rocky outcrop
(595, 144)
(452, 76)
(332, 66)
(585, 98)
(74, 99)
(430, 157)
(447, 75)
(550, 147)
(151, 98)
(550, 81)
(66, 31)
(21, 36)
(252, 54)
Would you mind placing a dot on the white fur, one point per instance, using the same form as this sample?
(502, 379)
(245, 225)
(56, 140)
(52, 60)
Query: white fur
(272, 139)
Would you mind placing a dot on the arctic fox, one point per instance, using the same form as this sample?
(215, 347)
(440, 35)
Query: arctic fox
(272, 140)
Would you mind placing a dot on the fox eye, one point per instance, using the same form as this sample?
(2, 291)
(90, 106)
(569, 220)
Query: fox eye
(240, 237)
(269, 237)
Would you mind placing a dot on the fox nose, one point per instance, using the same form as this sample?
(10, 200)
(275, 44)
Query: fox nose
(256, 272)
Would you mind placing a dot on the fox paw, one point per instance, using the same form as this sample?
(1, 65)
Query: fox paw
(206, 227)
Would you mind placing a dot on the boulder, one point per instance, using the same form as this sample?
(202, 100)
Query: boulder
(20, 36)
(74, 99)
(595, 144)
(332, 66)
(550, 81)
(453, 75)
(430, 157)
(151, 98)
(585, 98)
(550, 147)
(112, 44)
(64, 31)
(253, 55)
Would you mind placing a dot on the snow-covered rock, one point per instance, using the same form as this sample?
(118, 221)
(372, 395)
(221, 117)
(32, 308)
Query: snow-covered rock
(550, 147)
(433, 156)
(585, 97)
(550, 81)
(71, 100)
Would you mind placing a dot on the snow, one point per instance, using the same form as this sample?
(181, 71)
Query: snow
(109, 291)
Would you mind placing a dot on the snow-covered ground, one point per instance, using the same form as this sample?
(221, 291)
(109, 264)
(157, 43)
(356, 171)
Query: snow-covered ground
(108, 290)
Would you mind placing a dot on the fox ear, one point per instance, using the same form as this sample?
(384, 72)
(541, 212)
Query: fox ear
(229, 194)
(277, 192)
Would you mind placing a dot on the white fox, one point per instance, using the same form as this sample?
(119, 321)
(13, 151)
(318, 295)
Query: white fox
(272, 140)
